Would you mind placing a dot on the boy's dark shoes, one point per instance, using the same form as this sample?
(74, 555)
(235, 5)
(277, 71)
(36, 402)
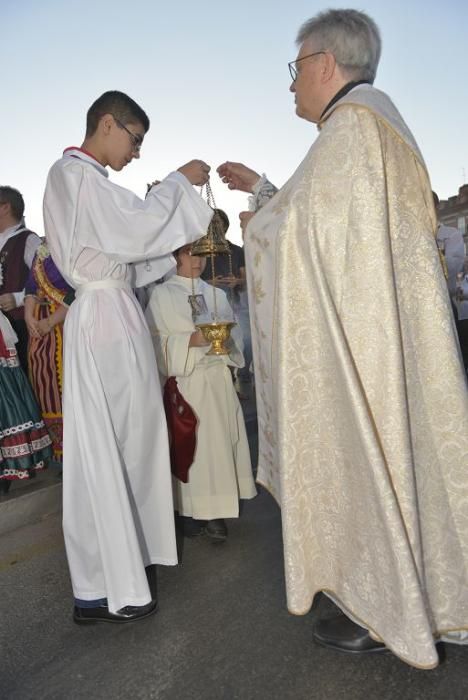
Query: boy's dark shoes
(189, 526)
(216, 530)
(130, 613)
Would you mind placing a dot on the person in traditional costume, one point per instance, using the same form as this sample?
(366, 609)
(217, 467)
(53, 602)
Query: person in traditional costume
(18, 246)
(363, 437)
(117, 500)
(221, 471)
(25, 445)
(47, 297)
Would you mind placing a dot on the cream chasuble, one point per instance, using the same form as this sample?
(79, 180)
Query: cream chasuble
(221, 472)
(117, 500)
(361, 394)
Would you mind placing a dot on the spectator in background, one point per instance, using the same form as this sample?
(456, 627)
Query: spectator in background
(451, 244)
(461, 300)
(24, 442)
(17, 248)
(46, 305)
(229, 274)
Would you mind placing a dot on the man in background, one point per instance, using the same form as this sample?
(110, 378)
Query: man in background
(17, 248)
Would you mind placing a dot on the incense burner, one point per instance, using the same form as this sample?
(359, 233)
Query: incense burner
(217, 333)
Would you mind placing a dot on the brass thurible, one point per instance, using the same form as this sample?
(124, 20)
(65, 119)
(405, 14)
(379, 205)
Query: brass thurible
(214, 243)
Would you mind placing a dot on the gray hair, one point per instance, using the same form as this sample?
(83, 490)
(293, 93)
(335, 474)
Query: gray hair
(351, 36)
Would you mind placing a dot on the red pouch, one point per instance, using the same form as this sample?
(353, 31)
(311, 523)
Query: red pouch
(182, 428)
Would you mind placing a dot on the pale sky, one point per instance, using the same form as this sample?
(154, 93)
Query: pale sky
(214, 80)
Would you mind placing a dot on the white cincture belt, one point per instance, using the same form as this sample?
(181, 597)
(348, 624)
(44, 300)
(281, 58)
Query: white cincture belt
(101, 284)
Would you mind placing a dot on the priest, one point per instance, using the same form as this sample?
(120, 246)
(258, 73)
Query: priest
(363, 439)
(117, 510)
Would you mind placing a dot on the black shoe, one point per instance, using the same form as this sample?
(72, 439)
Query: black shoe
(131, 613)
(216, 530)
(191, 527)
(341, 634)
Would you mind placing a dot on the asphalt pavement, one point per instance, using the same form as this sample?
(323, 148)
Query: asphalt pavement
(222, 630)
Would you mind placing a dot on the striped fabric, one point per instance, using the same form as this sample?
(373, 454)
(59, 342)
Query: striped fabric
(46, 372)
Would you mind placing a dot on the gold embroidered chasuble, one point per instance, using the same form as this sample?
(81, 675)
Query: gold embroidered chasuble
(362, 399)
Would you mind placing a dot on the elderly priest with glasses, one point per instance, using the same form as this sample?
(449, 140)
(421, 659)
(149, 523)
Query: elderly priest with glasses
(363, 439)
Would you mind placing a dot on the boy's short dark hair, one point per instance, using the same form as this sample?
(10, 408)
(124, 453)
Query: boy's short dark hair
(120, 105)
(8, 195)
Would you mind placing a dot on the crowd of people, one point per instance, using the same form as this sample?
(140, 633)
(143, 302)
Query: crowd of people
(361, 391)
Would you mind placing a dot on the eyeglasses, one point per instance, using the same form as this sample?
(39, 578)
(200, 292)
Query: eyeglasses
(137, 141)
(292, 64)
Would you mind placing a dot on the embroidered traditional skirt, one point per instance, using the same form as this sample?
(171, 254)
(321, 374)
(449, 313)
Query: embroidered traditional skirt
(25, 444)
(45, 372)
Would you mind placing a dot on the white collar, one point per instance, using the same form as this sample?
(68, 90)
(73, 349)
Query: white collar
(186, 281)
(75, 152)
(12, 231)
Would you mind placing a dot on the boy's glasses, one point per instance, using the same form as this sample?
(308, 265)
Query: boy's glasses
(137, 141)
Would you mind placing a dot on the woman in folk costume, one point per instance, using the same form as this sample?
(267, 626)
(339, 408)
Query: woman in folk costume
(24, 442)
(18, 245)
(46, 306)
(221, 472)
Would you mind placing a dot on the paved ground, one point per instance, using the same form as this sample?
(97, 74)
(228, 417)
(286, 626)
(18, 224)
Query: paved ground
(222, 631)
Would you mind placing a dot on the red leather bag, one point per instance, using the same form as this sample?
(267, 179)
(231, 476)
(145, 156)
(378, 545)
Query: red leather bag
(182, 427)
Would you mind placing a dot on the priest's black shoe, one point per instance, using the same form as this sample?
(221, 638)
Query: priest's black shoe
(131, 613)
(342, 634)
(216, 530)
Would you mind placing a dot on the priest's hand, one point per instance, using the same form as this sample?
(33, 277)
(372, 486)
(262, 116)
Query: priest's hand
(7, 302)
(197, 172)
(238, 176)
(245, 217)
(198, 340)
